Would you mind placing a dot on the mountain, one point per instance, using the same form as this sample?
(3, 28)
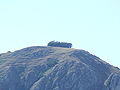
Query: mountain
(56, 68)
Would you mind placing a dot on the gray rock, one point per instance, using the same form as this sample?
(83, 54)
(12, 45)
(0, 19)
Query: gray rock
(113, 82)
(54, 68)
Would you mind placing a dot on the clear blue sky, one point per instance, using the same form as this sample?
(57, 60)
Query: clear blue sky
(93, 25)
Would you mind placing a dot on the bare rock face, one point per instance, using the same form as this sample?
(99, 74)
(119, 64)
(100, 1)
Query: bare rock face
(55, 68)
(113, 82)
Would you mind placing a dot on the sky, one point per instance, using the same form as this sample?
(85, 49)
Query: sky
(92, 25)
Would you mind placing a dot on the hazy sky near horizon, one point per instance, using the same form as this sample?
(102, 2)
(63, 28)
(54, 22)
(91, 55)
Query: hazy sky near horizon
(93, 25)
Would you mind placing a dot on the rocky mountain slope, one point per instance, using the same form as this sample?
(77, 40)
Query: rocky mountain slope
(55, 68)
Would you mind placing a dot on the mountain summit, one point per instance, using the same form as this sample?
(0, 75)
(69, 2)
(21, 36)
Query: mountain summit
(56, 68)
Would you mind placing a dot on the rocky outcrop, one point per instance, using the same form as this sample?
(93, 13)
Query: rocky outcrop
(55, 68)
(113, 82)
